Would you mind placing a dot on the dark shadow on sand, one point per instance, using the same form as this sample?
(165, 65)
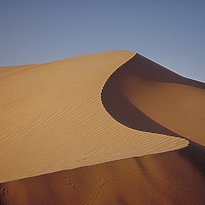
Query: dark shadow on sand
(195, 153)
(117, 105)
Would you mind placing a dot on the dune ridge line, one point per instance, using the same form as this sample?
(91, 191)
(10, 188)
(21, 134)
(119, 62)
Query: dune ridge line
(52, 118)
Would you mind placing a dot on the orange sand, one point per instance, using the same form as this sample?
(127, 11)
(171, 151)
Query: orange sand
(53, 119)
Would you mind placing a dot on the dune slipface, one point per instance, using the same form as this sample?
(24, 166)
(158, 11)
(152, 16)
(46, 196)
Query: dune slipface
(94, 109)
(168, 99)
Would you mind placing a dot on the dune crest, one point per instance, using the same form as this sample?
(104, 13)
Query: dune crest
(156, 100)
(52, 118)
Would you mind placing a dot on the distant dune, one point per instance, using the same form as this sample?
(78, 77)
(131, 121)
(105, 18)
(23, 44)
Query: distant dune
(91, 120)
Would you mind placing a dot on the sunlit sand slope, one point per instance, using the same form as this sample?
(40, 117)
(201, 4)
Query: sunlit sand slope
(52, 118)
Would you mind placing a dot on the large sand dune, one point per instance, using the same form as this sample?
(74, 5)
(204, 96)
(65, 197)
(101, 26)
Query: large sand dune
(94, 109)
(52, 118)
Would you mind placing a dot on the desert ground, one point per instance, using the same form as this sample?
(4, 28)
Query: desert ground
(102, 129)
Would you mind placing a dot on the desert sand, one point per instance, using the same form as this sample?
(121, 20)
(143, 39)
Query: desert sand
(77, 131)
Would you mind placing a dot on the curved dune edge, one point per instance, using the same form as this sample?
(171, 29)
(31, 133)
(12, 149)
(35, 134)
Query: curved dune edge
(143, 87)
(52, 119)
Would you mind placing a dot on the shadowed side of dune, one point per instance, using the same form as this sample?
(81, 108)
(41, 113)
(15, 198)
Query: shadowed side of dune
(122, 110)
(167, 178)
(195, 154)
(146, 96)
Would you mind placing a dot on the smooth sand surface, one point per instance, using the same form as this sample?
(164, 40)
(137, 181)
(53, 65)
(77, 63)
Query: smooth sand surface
(53, 119)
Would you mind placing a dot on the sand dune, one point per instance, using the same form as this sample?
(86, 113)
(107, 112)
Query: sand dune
(161, 179)
(52, 119)
(168, 99)
(101, 108)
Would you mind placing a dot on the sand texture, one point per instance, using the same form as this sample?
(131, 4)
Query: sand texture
(170, 178)
(52, 119)
(76, 131)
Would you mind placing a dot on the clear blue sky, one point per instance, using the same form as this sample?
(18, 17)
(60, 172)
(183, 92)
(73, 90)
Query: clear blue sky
(171, 33)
